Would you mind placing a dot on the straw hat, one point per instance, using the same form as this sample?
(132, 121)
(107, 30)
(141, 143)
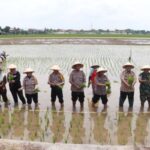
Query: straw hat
(12, 66)
(77, 63)
(55, 67)
(101, 69)
(128, 64)
(146, 67)
(28, 70)
(95, 66)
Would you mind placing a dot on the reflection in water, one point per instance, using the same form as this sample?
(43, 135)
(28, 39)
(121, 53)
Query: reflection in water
(141, 131)
(77, 131)
(99, 130)
(124, 128)
(79, 127)
(18, 123)
(5, 125)
(33, 126)
(88, 127)
(57, 127)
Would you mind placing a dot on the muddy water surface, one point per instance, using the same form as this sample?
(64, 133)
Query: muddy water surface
(94, 126)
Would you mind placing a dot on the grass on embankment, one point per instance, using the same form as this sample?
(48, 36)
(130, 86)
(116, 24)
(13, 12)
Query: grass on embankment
(10, 36)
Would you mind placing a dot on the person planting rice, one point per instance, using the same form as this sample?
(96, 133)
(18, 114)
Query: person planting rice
(3, 91)
(92, 76)
(78, 83)
(56, 82)
(13, 78)
(100, 87)
(30, 86)
(128, 80)
(144, 79)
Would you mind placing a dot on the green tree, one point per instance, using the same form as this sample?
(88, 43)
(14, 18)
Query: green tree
(6, 29)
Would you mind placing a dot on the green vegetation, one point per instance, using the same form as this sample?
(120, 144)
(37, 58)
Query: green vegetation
(130, 80)
(74, 36)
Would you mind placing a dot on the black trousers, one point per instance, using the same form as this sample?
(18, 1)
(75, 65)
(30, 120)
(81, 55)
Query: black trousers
(77, 96)
(31, 97)
(15, 93)
(56, 92)
(96, 98)
(3, 93)
(124, 95)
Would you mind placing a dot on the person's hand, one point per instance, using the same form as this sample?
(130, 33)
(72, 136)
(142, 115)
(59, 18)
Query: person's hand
(147, 81)
(20, 89)
(101, 84)
(12, 81)
(128, 85)
(36, 87)
(132, 85)
(77, 86)
(52, 84)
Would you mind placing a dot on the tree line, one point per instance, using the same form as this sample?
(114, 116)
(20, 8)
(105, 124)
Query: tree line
(16, 30)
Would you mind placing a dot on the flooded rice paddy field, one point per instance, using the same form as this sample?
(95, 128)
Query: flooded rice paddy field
(94, 126)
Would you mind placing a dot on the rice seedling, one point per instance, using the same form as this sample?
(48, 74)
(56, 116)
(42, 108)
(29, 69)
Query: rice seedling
(130, 80)
(54, 139)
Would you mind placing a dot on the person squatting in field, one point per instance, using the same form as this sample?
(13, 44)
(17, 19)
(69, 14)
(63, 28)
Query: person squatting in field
(78, 82)
(56, 82)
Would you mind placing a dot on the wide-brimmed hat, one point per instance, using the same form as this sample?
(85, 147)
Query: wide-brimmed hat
(55, 67)
(12, 66)
(146, 67)
(95, 66)
(101, 69)
(77, 63)
(28, 70)
(128, 64)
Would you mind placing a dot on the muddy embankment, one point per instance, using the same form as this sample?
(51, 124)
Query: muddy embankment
(96, 41)
(24, 145)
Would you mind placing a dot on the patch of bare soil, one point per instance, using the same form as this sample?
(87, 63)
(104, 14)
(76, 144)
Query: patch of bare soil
(95, 41)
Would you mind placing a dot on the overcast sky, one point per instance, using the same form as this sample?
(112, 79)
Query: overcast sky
(76, 14)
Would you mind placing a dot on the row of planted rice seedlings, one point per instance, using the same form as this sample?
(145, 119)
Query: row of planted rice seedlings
(110, 67)
(35, 126)
(100, 132)
(36, 63)
(46, 123)
(76, 130)
(116, 66)
(124, 122)
(54, 127)
(60, 131)
(39, 62)
(141, 132)
(64, 63)
(5, 124)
